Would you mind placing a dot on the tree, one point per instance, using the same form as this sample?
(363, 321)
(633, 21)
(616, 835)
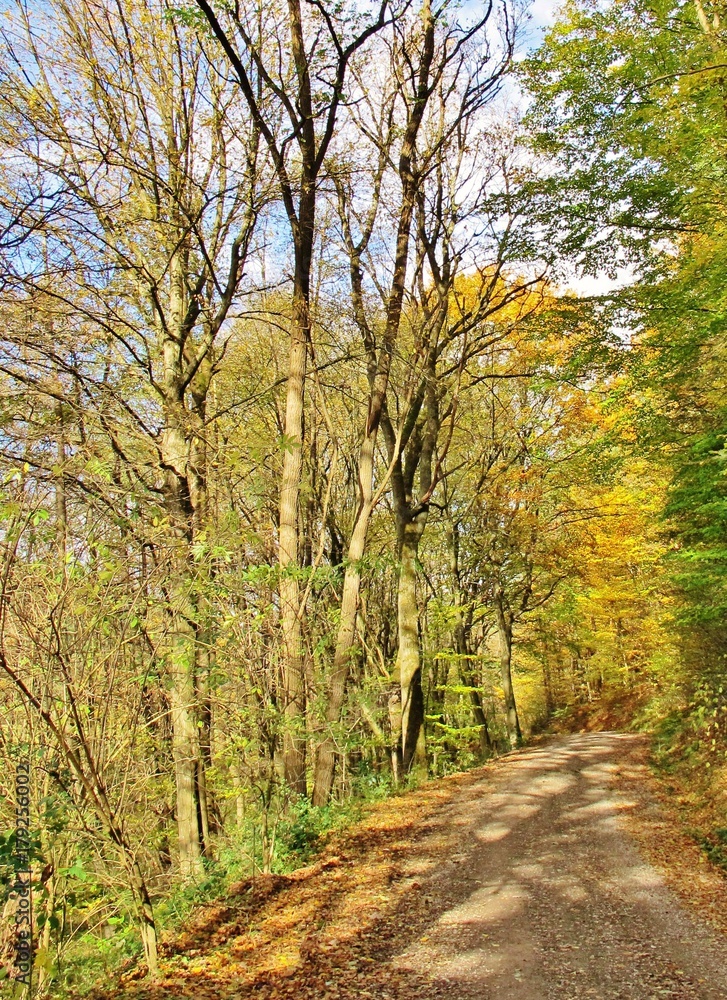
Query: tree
(456, 325)
(156, 193)
(50, 659)
(632, 97)
(426, 66)
(275, 68)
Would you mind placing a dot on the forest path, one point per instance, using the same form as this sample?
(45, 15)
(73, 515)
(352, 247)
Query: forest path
(521, 880)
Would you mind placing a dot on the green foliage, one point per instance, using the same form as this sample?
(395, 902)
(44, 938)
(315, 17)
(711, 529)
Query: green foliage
(620, 101)
(453, 748)
(96, 957)
(628, 103)
(10, 862)
(301, 831)
(697, 513)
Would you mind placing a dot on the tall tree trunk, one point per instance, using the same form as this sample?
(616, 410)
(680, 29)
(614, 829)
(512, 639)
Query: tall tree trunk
(183, 704)
(504, 633)
(183, 710)
(147, 924)
(395, 730)
(312, 147)
(411, 520)
(379, 370)
(175, 455)
(480, 718)
(203, 641)
(462, 647)
(204, 761)
(468, 677)
(294, 739)
(413, 746)
(345, 648)
(548, 680)
(303, 231)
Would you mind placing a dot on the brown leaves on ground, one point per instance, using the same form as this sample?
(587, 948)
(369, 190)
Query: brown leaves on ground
(659, 827)
(328, 931)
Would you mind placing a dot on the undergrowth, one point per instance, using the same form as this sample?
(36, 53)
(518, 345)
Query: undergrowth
(95, 953)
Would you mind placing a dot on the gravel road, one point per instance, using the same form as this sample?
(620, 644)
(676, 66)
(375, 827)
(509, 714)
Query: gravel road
(546, 896)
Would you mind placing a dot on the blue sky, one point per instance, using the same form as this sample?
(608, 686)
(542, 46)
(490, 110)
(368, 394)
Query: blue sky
(542, 13)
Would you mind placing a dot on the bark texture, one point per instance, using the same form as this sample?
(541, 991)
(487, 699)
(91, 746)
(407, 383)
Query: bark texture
(379, 368)
(504, 634)
(413, 745)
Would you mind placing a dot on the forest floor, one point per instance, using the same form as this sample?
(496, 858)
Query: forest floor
(559, 871)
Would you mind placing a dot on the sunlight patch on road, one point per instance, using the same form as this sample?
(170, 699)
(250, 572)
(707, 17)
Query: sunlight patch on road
(591, 810)
(553, 784)
(492, 832)
(534, 871)
(574, 893)
(488, 905)
(641, 877)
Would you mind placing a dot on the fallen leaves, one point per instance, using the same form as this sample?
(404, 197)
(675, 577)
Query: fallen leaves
(326, 930)
(658, 826)
(329, 930)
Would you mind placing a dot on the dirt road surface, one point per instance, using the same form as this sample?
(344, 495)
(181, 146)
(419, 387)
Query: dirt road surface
(519, 881)
(549, 897)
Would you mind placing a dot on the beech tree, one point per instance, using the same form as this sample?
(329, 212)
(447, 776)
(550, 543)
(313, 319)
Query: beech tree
(456, 64)
(457, 317)
(291, 70)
